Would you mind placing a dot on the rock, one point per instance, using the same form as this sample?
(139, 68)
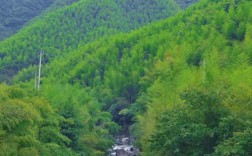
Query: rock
(125, 141)
(122, 152)
(123, 147)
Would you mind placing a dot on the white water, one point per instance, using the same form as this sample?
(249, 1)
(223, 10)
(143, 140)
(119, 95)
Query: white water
(123, 147)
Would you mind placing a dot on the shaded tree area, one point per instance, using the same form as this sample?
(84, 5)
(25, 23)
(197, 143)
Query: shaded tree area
(16, 14)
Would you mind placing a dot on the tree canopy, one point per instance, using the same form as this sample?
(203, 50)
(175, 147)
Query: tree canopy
(181, 86)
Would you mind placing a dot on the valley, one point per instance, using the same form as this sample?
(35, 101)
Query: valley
(158, 77)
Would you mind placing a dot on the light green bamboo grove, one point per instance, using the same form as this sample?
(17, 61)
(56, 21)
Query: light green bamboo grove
(181, 86)
(65, 29)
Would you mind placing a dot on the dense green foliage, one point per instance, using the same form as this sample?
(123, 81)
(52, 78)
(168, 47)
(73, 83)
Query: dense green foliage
(29, 126)
(71, 123)
(185, 3)
(203, 126)
(192, 73)
(183, 85)
(15, 13)
(65, 29)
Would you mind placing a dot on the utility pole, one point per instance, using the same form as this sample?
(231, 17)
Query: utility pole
(39, 72)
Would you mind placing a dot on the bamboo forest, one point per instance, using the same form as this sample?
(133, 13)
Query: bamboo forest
(126, 78)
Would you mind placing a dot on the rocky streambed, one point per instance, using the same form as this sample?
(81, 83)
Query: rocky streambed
(123, 147)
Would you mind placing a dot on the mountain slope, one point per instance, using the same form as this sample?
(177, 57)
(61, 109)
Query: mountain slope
(65, 29)
(192, 68)
(184, 83)
(185, 3)
(14, 14)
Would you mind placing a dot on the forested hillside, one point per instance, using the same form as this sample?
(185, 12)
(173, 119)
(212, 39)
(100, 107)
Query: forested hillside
(14, 14)
(186, 81)
(65, 29)
(185, 3)
(181, 86)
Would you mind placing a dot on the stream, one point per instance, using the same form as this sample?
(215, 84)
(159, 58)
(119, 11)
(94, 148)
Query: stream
(123, 147)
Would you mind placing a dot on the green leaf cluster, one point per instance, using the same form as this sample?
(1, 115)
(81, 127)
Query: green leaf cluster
(29, 126)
